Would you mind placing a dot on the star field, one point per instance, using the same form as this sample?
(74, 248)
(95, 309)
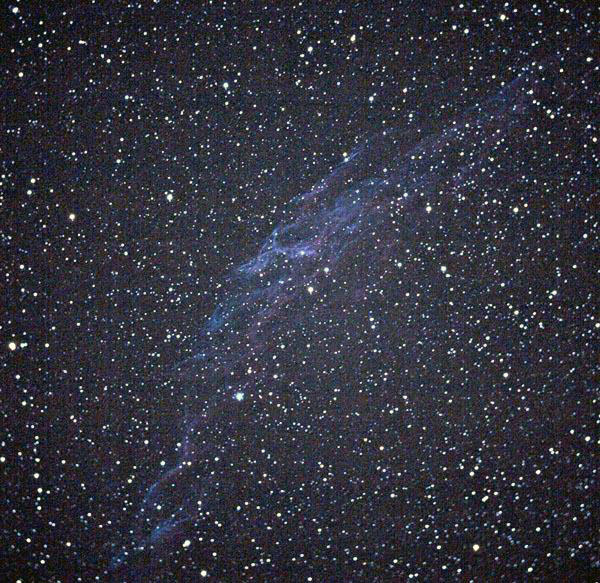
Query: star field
(299, 291)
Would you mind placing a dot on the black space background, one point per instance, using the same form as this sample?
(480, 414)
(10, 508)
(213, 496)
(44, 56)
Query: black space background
(108, 302)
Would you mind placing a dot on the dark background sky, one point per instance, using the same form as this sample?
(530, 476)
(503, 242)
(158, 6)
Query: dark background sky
(148, 147)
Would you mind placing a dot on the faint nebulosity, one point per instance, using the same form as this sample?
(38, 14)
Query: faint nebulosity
(299, 291)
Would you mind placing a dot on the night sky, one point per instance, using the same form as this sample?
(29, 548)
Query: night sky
(299, 291)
